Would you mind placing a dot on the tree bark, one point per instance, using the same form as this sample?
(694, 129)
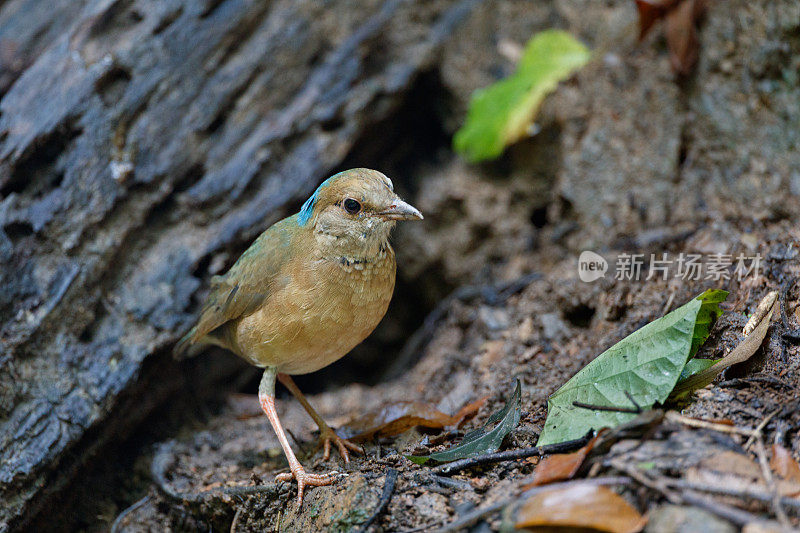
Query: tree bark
(142, 146)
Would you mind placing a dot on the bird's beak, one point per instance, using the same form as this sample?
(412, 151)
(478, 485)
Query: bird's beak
(400, 210)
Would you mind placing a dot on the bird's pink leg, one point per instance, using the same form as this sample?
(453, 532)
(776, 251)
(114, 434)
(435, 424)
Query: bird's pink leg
(266, 396)
(326, 434)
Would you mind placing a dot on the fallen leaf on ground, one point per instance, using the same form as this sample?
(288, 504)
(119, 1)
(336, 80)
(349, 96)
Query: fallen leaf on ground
(582, 506)
(682, 39)
(736, 471)
(784, 464)
(501, 114)
(681, 19)
(486, 439)
(650, 12)
(394, 418)
(644, 368)
(560, 466)
(695, 376)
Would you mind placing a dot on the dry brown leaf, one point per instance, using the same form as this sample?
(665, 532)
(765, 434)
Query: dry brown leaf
(682, 40)
(651, 11)
(720, 421)
(581, 506)
(784, 464)
(560, 466)
(681, 18)
(394, 418)
(736, 471)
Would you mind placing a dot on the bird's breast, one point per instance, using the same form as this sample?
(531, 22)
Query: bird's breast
(329, 305)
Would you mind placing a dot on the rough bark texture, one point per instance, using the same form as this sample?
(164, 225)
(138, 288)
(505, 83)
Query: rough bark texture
(142, 145)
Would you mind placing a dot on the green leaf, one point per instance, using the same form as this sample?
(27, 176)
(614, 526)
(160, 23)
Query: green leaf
(709, 313)
(694, 366)
(500, 114)
(483, 440)
(646, 364)
(699, 374)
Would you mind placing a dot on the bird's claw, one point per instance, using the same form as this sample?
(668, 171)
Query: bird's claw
(327, 435)
(305, 479)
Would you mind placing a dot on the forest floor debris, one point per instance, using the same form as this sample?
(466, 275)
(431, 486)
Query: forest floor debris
(222, 474)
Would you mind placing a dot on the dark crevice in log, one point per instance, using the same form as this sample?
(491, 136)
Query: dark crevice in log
(36, 172)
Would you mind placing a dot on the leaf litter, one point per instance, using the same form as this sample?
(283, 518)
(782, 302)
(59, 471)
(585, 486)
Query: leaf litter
(486, 439)
(562, 466)
(399, 416)
(582, 506)
(681, 20)
(656, 460)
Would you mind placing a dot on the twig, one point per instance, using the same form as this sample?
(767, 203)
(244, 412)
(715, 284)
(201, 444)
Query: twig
(115, 527)
(673, 416)
(727, 512)
(388, 490)
(756, 495)
(236, 517)
(658, 485)
(761, 452)
(452, 483)
(511, 455)
(473, 516)
(611, 408)
(661, 484)
(760, 427)
(636, 409)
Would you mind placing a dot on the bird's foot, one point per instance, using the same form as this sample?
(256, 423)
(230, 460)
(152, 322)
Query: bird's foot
(305, 479)
(327, 435)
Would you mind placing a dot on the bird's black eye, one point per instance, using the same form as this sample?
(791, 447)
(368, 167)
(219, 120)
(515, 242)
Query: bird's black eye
(351, 206)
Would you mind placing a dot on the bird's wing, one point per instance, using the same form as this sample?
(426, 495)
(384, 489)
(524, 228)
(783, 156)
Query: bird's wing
(245, 287)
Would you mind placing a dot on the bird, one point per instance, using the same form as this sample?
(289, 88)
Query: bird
(305, 293)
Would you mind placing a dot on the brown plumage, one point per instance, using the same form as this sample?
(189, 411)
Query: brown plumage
(308, 290)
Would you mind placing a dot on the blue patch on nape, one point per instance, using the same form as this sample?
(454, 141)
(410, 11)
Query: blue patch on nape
(308, 206)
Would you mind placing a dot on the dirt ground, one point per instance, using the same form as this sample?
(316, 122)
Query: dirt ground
(542, 335)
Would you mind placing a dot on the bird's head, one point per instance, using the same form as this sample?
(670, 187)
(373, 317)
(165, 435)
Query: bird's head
(355, 209)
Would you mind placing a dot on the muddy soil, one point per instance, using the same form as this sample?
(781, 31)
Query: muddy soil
(543, 335)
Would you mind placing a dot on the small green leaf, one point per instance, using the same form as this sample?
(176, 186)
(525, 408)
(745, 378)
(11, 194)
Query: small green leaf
(483, 440)
(709, 313)
(500, 114)
(694, 366)
(646, 364)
